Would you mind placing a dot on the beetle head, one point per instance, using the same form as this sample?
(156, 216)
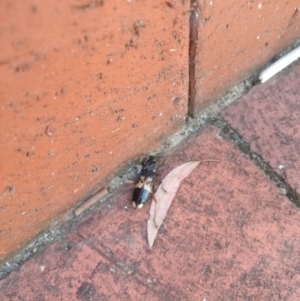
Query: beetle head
(150, 163)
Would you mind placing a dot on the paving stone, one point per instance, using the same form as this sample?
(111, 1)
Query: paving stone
(57, 273)
(268, 117)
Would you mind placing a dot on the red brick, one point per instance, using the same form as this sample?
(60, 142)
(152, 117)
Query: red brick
(236, 38)
(85, 86)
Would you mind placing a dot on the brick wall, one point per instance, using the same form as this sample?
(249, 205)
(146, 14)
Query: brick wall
(87, 85)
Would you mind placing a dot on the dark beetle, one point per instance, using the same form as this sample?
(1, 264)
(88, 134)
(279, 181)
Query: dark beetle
(144, 187)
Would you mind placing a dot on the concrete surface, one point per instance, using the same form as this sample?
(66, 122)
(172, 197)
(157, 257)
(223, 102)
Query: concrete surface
(230, 234)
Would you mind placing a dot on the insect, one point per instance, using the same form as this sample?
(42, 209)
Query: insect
(144, 187)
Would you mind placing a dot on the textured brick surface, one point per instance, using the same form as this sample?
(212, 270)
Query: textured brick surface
(85, 86)
(229, 235)
(237, 37)
(268, 118)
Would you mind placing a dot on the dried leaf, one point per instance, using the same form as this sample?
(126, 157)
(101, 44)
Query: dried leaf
(164, 196)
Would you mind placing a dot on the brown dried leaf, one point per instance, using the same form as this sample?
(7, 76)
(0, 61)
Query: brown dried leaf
(164, 196)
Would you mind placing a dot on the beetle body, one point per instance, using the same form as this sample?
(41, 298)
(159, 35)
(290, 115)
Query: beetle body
(144, 187)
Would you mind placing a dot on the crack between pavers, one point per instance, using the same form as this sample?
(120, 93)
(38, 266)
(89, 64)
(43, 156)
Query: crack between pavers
(228, 132)
(111, 259)
(135, 274)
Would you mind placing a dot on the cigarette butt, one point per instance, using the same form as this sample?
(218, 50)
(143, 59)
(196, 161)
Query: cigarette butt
(91, 201)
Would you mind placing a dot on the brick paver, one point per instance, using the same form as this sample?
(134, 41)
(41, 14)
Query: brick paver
(269, 118)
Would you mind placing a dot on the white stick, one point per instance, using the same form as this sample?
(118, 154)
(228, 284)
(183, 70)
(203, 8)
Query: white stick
(279, 65)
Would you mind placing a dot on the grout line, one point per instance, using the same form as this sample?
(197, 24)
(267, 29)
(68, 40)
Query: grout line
(129, 270)
(193, 41)
(231, 134)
